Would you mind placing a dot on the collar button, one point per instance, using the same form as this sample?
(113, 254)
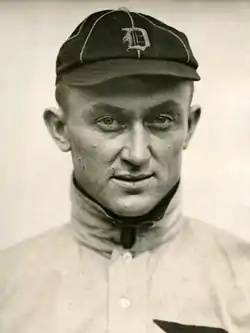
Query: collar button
(127, 257)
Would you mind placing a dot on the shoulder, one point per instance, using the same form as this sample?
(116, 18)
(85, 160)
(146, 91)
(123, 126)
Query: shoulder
(223, 261)
(36, 243)
(33, 253)
(210, 234)
(221, 246)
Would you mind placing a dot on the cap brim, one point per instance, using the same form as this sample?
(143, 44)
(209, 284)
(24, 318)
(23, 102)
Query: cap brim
(101, 71)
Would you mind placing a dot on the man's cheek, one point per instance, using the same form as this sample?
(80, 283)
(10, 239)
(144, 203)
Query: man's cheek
(87, 164)
(177, 147)
(177, 142)
(84, 156)
(173, 147)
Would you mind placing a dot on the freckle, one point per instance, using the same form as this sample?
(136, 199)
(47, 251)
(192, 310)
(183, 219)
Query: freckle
(82, 166)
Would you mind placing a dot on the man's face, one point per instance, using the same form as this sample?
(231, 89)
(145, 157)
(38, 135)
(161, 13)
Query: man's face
(126, 137)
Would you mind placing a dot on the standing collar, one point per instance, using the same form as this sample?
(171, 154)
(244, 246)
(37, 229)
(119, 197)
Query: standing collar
(95, 228)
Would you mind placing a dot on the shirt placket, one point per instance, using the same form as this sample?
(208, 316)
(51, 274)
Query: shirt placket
(127, 309)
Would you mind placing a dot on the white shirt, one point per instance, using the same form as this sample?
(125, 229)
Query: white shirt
(180, 273)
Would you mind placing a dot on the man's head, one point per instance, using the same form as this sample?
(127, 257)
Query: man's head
(126, 133)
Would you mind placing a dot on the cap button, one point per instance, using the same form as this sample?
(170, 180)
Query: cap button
(125, 9)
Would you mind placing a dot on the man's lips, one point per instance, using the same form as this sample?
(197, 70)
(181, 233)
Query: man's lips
(133, 178)
(133, 183)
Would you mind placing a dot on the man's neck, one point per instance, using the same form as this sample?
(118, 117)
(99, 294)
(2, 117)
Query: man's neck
(98, 228)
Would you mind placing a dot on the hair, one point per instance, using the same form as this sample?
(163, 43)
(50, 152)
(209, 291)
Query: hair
(192, 90)
(62, 89)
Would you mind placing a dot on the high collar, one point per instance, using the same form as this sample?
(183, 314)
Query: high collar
(95, 228)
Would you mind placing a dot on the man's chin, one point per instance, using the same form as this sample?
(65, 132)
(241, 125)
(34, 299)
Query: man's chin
(133, 207)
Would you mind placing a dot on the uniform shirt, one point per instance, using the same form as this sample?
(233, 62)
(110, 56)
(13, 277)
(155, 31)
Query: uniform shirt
(181, 276)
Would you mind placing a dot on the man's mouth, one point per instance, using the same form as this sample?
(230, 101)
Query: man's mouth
(133, 183)
(133, 178)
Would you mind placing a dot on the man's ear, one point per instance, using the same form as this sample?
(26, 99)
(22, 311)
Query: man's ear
(55, 121)
(193, 119)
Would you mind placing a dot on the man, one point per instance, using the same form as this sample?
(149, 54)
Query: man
(129, 261)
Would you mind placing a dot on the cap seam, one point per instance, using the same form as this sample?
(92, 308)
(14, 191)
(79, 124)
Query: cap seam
(130, 16)
(133, 26)
(168, 30)
(90, 32)
(75, 35)
(78, 33)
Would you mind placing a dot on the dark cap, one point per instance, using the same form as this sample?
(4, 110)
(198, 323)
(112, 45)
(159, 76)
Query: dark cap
(115, 43)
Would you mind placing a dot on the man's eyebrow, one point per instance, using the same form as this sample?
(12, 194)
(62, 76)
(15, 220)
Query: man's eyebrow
(102, 107)
(169, 105)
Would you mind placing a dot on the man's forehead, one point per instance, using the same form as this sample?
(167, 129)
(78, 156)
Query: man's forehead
(122, 104)
(139, 92)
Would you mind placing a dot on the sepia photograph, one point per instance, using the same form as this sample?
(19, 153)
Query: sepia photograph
(125, 166)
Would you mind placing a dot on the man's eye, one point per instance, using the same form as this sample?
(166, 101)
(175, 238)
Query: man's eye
(161, 122)
(108, 123)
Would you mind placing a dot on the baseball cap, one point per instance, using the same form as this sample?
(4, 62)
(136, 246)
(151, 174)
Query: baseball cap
(117, 42)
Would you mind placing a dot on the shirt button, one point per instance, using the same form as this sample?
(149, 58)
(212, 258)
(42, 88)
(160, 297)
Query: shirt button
(127, 257)
(125, 303)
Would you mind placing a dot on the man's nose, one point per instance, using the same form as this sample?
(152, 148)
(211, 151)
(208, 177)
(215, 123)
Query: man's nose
(137, 149)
